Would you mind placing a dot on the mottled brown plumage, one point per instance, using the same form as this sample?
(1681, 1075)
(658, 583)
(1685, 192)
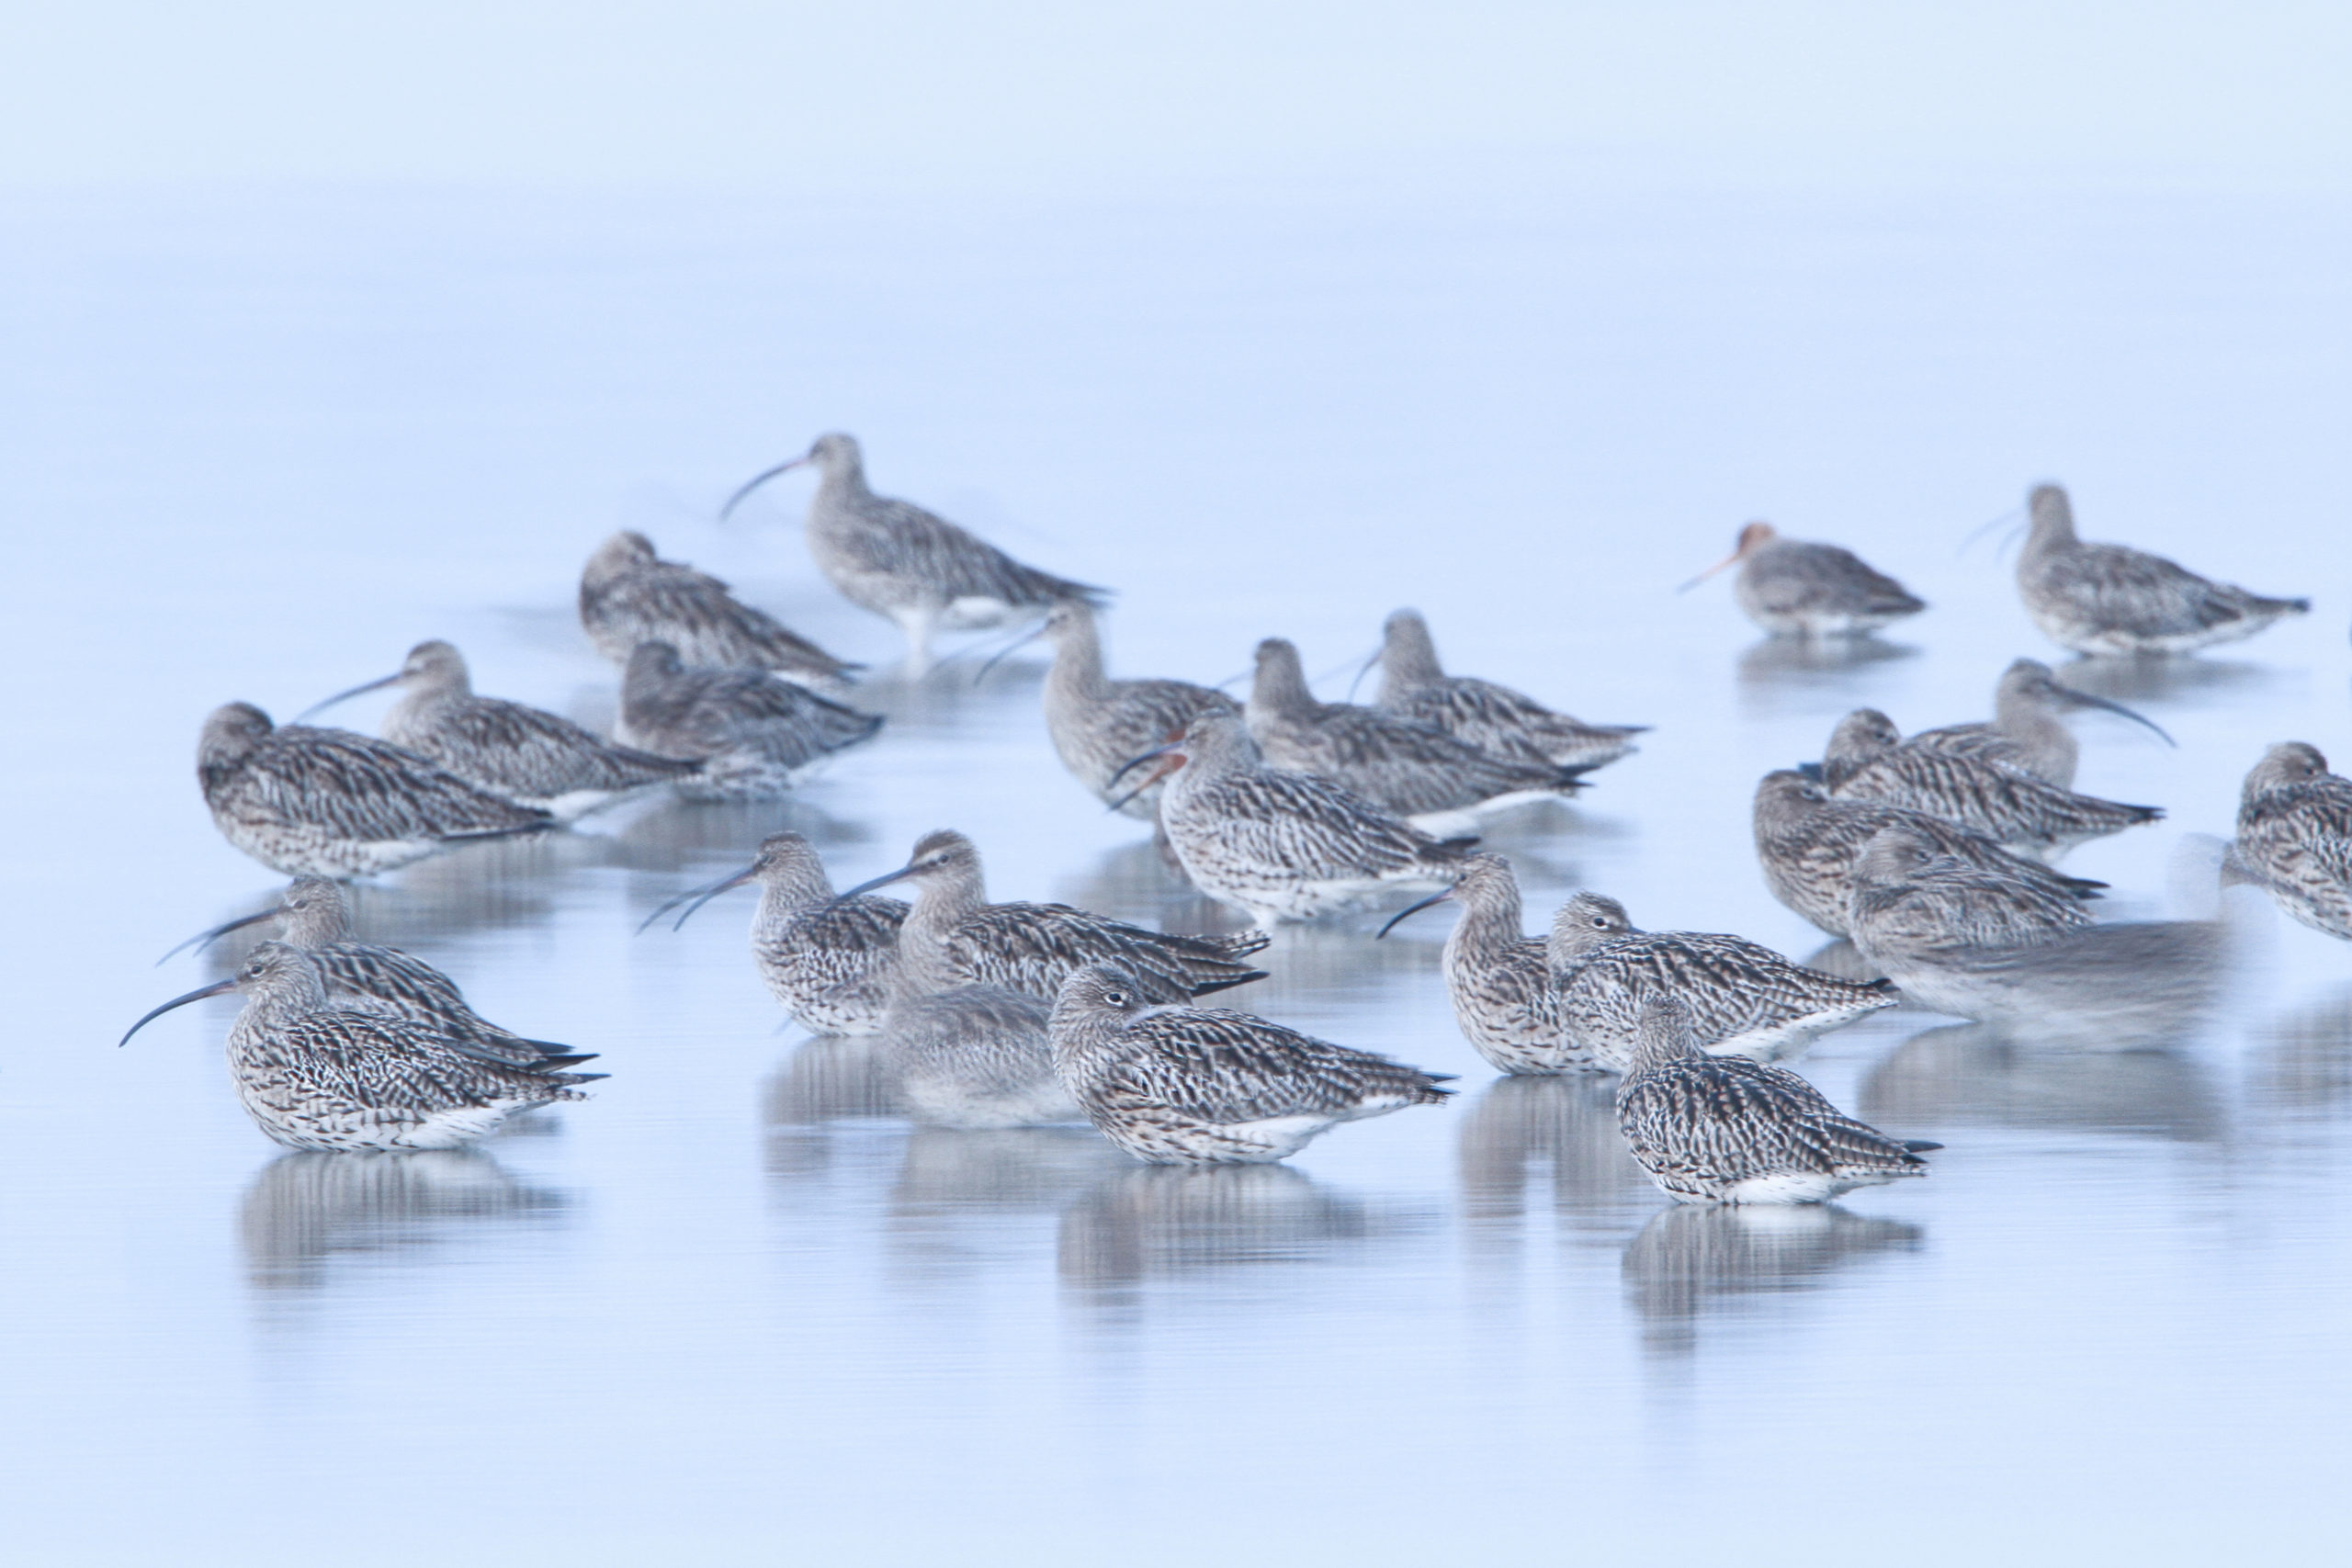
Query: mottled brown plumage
(2295, 836)
(1493, 718)
(629, 595)
(1031, 948)
(1806, 844)
(1206, 1086)
(331, 803)
(1729, 1130)
(1866, 761)
(316, 1077)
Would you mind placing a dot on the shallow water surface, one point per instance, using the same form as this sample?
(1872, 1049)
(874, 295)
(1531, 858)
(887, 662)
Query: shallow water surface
(736, 1309)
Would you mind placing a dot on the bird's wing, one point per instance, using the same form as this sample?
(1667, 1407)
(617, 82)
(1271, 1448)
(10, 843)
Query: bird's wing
(393, 1064)
(900, 538)
(1225, 1066)
(1312, 826)
(539, 753)
(378, 790)
(2117, 585)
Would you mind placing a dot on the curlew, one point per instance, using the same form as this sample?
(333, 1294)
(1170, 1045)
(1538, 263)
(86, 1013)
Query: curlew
(1729, 1130)
(524, 753)
(900, 561)
(629, 595)
(317, 1077)
(331, 803)
(1207, 1086)
(2106, 599)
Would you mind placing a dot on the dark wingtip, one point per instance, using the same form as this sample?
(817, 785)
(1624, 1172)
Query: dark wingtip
(1918, 1146)
(1464, 843)
(546, 823)
(1884, 986)
(1248, 977)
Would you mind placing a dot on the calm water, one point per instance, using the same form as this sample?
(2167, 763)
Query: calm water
(734, 1310)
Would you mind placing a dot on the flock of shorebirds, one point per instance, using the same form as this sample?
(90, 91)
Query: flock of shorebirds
(1930, 852)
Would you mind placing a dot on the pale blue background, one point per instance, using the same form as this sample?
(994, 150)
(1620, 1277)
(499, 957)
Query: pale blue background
(326, 332)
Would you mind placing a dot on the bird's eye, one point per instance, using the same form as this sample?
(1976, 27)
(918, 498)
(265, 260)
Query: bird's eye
(1116, 999)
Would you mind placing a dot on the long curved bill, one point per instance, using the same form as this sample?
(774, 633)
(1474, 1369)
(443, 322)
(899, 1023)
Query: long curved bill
(216, 988)
(754, 482)
(871, 883)
(696, 897)
(203, 940)
(361, 690)
(1988, 525)
(1412, 909)
(1006, 651)
(2084, 699)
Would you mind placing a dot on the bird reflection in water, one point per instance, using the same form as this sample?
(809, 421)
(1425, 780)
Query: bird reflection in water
(831, 1079)
(306, 1209)
(1785, 676)
(2300, 1068)
(1013, 1169)
(1964, 1073)
(670, 835)
(1151, 1222)
(968, 1198)
(1694, 1261)
(1141, 882)
(2155, 677)
(1523, 1133)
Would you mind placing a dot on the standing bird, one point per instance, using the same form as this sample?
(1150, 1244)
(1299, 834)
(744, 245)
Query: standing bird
(1207, 1086)
(1493, 718)
(752, 734)
(629, 595)
(1739, 998)
(524, 753)
(1098, 723)
(1797, 588)
(1568, 1004)
(1807, 843)
(1398, 764)
(2025, 732)
(1282, 846)
(966, 1054)
(317, 1077)
(1866, 761)
(1728, 1130)
(2295, 836)
(331, 803)
(311, 914)
(898, 561)
(2114, 599)
(1498, 978)
(1031, 948)
(826, 958)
